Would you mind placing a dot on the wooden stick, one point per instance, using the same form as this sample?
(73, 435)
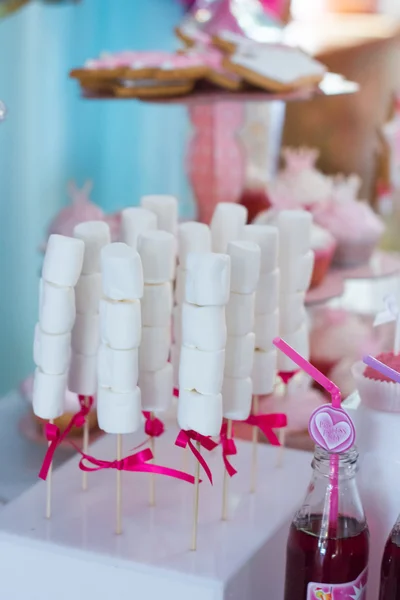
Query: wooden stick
(118, 529)
(152, 491)
(85, 445)
(49, 485)
(196, 502)
(255, 448)
(226, 479)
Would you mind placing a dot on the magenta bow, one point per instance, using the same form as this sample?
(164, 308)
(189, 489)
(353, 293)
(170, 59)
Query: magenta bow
(186, 438)
(266, 424)
(228, 449)
(153, 427)
(55, 437)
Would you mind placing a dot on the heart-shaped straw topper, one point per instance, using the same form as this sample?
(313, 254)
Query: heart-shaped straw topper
(390, 314)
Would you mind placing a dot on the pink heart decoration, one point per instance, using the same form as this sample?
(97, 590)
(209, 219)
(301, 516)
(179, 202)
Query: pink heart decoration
(332, 429)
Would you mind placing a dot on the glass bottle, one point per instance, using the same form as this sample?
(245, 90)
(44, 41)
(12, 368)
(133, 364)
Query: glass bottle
(390, 570)
(328, 561)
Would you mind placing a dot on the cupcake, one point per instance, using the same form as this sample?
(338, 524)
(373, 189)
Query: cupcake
(376, 390)
(354, 225)
(323, 245)
(72, 406)
(299, 184)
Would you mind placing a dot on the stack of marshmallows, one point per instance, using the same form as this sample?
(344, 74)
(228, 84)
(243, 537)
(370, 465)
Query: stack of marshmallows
(296, 265)
(86, 332)
(204, 336)
(157, 250)
(119, 398)
(266, 325)
(239, 355)
(52, 346)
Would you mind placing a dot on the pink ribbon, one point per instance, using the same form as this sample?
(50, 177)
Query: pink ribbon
(185, 438)
(55, 437)
(176, 392)
(137, 462)
(266, 424)
(286, 376)
(153, 427)
(228, 449)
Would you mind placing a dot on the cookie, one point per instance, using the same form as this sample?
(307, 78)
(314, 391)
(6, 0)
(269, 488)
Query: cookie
(229, 42)
(275, 68)
(182, 66)
(190, 35)
(217, 74)
(150, 88)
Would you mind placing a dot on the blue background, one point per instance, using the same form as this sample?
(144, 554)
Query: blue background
(51, 136)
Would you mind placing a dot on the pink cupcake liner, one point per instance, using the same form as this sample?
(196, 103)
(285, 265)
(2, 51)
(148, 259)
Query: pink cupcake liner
(378, 395)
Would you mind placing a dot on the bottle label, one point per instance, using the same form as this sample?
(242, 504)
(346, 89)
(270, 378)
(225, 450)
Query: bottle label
(354, 590)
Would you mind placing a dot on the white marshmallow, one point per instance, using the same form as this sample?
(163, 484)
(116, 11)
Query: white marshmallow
(239, 354)
(63, 260)
(208, 279)
(267, 294)
(156, 388)
(119, 413)
(157, 305)
(49, 394)
(88, 292)
(86, 334)
(134, 221)
(227, 224)
(118, 369)
(51, 353)
(120, 324)
(266, 328)
(180, 285)
(264, 372)
(177, 324)
(266, 236)
(122, 272)
(56, 308)
(294, 232)
(175, 360)
(245, 266)
(154, 349)
(240, 314)
(82, 378)
(296, 274)
(166, 210)
(299, 340)
(200, 413)
(157, 250)
(236, 398)
(192, 237)
(95, 235)
(201, 371)
(292, 312)
(203, 327)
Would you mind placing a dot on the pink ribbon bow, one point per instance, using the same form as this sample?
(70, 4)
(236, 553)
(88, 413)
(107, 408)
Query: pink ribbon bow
(228, 449)
(266, 423)
(176, 393)
(286, 376)
(137, 462)
(186, 438)
(153, 427)
(55, 437)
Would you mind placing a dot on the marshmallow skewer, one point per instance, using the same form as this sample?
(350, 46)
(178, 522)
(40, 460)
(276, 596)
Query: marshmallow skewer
(237, 387)
(203, 347)
(119, 408)
(157, 250)
(266, 324)
(296, 261)
(52, 352)
(85, 335)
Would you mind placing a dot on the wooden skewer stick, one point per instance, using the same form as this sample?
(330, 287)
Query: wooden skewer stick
(196, 502)
(225, 490)
(255, 448)
(118, 529)
(152, 491)
(85, 444)
(49, 485)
